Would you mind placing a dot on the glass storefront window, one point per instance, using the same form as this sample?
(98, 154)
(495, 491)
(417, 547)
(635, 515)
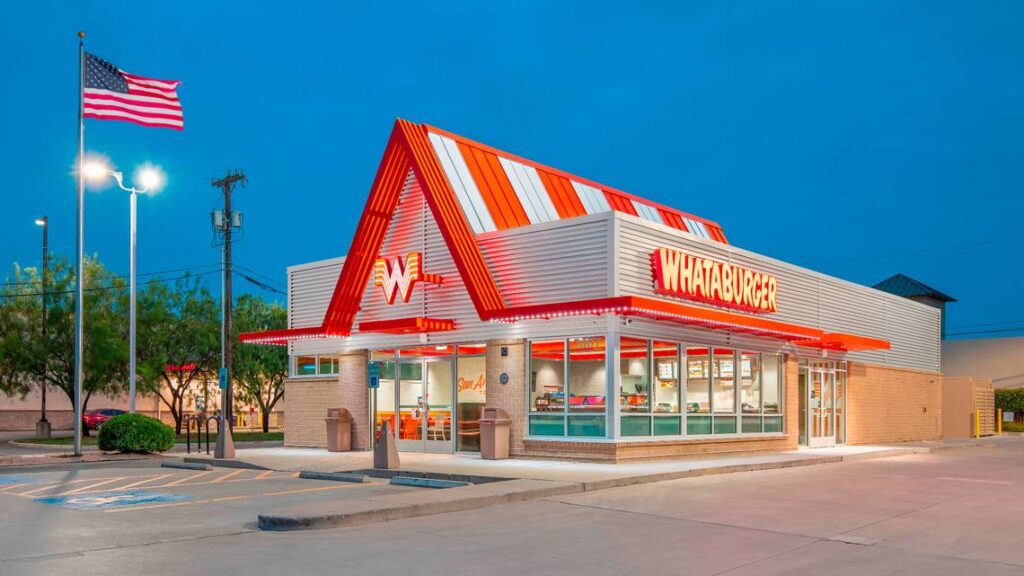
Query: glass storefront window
(547, 376)
(634, 369)
(666, 378)
(385, 393)
(724, 368)
(771, 383)
(698, 381)
(471, 395)
(305, 366)
(588, 376)
(750, 384)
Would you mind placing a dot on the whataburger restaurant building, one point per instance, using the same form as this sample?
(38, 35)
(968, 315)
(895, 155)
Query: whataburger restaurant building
(607, 326)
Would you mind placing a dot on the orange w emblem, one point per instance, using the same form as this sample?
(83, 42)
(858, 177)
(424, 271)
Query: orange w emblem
(395, 278)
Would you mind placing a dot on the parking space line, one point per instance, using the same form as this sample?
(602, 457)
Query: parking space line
(82, 489)
(227, 476)
(7, 489)
(56, 483)
(263, 475)
(230, 498)
(185, 479)
(141, 482)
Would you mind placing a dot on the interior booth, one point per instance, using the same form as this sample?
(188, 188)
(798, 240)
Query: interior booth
(606, 325)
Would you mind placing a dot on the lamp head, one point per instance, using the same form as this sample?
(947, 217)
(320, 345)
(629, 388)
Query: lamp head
(94, 170)
(150, 178)
(41, 221)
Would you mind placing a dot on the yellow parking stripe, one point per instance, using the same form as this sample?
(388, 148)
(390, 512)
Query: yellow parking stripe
(58, 483)
(227, 476)
(141, 482)
(186, 479)
(263, 475)
(77, 490)
(228, 498)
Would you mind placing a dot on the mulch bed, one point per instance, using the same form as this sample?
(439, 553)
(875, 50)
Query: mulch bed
(91, 456)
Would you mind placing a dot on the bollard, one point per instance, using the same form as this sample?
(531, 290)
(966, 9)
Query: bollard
(385, 452)
(977, 423)
(999, 421)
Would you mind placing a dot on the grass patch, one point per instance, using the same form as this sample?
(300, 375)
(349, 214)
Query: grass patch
(91, 440)
(1013, 426)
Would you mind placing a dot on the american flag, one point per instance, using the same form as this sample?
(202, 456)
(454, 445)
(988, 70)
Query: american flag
(113, 94)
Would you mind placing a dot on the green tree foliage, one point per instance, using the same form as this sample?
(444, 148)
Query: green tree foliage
(1011, 400)
(25, 356)
(259, 371)
(178, 340)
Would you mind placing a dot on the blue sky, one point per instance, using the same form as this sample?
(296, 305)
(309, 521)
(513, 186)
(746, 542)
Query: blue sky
(856, 138)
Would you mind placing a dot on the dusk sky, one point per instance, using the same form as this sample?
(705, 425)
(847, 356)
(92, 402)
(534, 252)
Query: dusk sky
(859, 139)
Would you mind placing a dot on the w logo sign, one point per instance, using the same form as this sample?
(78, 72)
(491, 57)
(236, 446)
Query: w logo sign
(397, 278)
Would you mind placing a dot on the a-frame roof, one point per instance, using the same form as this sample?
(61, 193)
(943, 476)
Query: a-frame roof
(903, 285)
(461, 212)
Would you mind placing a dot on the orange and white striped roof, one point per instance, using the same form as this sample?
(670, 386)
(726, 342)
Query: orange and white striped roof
(498, 190)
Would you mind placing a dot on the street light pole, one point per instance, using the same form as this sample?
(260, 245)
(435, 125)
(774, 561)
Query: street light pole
(151, 179)
(43, 426)
(132, 375)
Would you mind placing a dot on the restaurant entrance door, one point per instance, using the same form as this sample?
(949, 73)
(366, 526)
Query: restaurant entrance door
(424, 402)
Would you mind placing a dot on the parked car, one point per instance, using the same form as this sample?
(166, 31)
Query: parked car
(93, 419)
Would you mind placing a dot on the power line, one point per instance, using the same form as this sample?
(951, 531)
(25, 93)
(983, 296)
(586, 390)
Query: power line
(262, 276)
(189, 269)
(923, 251)
(104, 288)
(987, 324)
(256, 282)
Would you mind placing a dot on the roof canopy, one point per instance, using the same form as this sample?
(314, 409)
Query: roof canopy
(903, 285)
(472, 189)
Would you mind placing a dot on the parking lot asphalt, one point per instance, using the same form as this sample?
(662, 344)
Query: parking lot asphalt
(67, 512)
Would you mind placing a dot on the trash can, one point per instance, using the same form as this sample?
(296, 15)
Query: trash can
(494, 433)
(339, 430)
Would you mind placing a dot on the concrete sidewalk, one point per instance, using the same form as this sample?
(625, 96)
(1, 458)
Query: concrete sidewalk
(531, 479)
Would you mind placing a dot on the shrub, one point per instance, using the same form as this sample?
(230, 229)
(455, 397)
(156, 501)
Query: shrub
(135, 433)
(1011, 400)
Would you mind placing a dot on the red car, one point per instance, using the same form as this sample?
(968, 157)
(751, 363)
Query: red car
(95, 418)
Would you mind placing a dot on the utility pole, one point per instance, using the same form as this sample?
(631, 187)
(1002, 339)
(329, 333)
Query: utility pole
(224, 222)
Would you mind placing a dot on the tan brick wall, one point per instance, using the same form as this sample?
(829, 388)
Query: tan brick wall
(309, 399)
(512, 396)
(985, 404)
(792, 401)
(886, 404)
(619, 451)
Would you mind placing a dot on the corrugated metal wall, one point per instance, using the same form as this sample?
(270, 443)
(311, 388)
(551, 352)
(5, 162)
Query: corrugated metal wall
(804, 297)
(593, 257)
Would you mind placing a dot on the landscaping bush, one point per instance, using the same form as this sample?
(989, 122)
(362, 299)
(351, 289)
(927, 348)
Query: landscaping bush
(1011, 400)
(135, 433)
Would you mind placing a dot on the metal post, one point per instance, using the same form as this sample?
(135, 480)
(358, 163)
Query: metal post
(225, 446)
(80, 248)
(43, 426)
(131, 312)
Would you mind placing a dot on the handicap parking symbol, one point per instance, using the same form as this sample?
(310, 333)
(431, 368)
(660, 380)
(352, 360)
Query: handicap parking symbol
(109, 499)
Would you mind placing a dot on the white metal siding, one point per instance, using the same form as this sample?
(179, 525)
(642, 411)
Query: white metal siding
(461, 181)
(593, 200)
(804, 297)
(530, 191)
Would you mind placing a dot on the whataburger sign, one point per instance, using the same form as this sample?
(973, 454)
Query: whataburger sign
(687, 276)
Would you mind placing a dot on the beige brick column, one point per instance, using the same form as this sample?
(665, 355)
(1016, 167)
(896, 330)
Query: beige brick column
(309, 398)
(791, 393)
(512, 396)
(353, 374)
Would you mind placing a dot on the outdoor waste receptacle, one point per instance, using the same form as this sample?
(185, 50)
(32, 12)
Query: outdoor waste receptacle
(494, 434)
(339, 430)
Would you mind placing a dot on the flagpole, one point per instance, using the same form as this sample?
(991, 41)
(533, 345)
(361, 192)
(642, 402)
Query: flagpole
(80, 248)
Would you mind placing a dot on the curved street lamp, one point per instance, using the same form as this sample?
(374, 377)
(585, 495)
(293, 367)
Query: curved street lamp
(151, 179)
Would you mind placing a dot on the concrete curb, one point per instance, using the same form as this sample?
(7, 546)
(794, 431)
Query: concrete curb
(383, 510)
(54, 447)
(335, 476)
(224, 463)
(186, 465)
(425, 482)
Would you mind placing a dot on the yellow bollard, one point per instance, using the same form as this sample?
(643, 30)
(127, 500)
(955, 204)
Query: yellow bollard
(999, 421)
(977, 423)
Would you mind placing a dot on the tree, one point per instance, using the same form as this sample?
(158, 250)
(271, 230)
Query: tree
(25, 355)
(178, 340)
(259, 371)
(1011, 400)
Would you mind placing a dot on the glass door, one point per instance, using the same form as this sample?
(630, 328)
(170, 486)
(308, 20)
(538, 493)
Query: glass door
(425, 405)
(822, 413)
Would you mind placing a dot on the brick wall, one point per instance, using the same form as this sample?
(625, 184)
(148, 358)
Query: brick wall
(512, 396)
(309, 399)
(885, 404)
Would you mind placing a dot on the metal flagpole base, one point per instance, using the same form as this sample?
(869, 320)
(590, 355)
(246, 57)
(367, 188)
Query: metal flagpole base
(43, 429)
(225, 444)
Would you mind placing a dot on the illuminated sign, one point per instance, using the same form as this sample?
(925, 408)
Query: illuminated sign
(398, 278)
(684, 275)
